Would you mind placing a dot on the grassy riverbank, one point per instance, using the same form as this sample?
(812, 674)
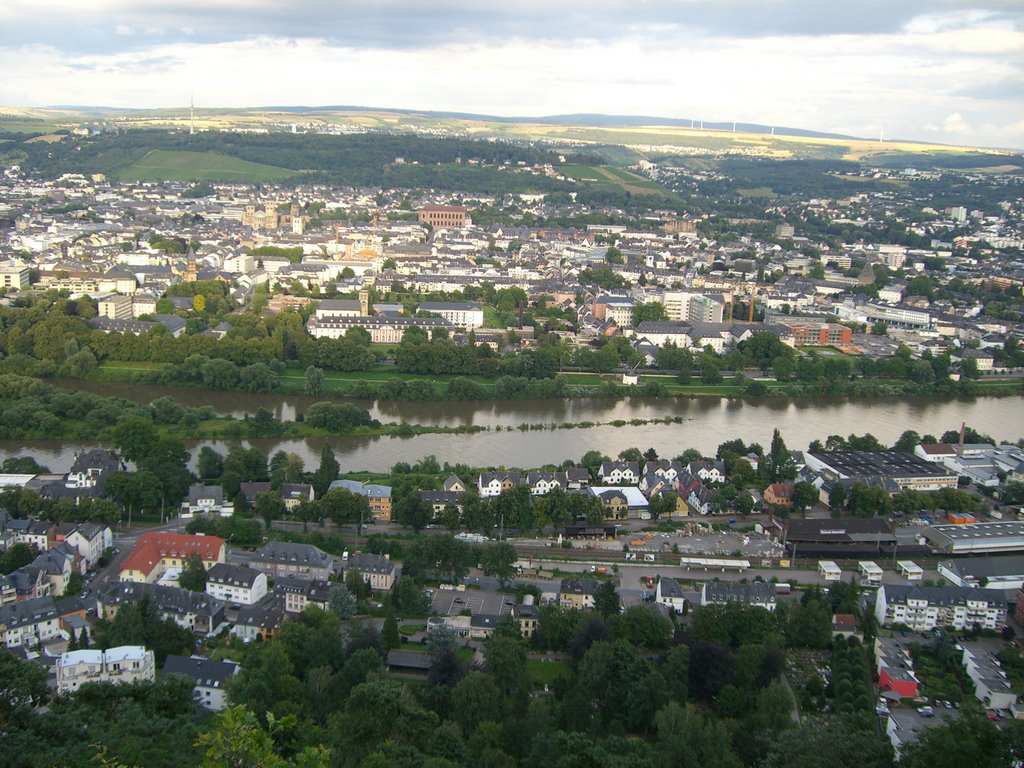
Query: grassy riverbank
(292, 380)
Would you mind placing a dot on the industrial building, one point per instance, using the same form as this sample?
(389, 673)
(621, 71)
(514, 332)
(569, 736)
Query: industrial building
(897, 470)
(853, 537)
(977, 537)
(1005, 572)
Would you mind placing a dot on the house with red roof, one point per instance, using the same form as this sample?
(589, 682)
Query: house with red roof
(155, 553)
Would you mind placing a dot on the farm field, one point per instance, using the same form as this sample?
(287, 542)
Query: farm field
(173, 165)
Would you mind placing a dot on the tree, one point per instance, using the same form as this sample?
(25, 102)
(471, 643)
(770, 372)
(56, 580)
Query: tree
(499, 560)
(606, 599)
(907, 441)
(193, 574)
(342, 603)
(837, 497)
(804, 495)
(653, 311)
(389, 635)
(315, 382)
(210, 463)
(327, 472)
(269, 505)
(778, 464)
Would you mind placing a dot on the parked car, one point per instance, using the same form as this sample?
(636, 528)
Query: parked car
(926, 711)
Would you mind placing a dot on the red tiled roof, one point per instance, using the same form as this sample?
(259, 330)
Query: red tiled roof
(152, 547)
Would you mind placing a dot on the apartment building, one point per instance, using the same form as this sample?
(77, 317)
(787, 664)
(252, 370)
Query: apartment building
(925, 608)
(123, 664)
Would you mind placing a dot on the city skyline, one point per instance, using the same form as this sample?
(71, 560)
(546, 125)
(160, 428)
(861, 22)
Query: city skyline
(947, 72)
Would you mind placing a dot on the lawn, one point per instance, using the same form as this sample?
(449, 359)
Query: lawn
(411, 629)
(543, 673)
(174, 165)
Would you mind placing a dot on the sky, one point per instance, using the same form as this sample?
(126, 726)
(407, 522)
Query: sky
(935, 70)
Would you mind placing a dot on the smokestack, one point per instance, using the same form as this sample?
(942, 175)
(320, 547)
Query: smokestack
(963, 429)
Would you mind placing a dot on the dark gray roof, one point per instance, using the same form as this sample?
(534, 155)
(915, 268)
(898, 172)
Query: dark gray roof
(728, 592)
(205, 673)
(287, 553)
(234, 575)
(947, 595)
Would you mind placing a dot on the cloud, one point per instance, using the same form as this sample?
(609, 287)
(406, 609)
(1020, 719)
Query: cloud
(955, 123)
(903, 67)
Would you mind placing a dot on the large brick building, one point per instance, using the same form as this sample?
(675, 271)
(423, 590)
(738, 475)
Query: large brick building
(444, 216)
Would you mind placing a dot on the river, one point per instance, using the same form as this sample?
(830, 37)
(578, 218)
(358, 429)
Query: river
(708, 421)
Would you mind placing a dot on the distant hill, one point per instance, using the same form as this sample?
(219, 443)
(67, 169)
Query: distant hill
(592, 120)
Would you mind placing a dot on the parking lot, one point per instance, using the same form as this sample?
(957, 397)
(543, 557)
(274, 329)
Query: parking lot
(450, 602)
(911, 724)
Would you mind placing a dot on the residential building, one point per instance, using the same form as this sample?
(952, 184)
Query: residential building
(378, 497)
(622, 502)
(991, 685)
(378, 570)
(123, 664)
(115, 307)
(298, 594)
(258, 622)
(29, 623)
(578, 594)
(209, 678)
(494, 483)
(819, 334)
(670, 594)
(758, 593)
(461, 314)
(925, 608)
(895, 668)
(236, 584)
(154, 553)
(708, 471)
(206, 500)
(14, 275)
(282, 558)
(91, 468)
(91, 540)
(197, 612)
(528, 616)
(779, 495)
(619, 473)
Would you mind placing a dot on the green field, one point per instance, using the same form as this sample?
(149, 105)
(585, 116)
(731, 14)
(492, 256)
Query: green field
(543, 673)
(173, 165)
(610, 177)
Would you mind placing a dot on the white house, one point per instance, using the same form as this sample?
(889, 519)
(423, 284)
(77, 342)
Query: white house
(90, 539)
(123, 664)
(669, 593)
(236, 584)
(210, 678)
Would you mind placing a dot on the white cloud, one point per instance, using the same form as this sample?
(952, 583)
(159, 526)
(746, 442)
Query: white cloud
(904, 82)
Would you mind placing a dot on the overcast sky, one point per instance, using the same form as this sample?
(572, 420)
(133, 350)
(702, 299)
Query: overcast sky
(942, 70)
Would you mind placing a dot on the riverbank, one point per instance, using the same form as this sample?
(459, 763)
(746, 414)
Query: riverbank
(387, 382)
